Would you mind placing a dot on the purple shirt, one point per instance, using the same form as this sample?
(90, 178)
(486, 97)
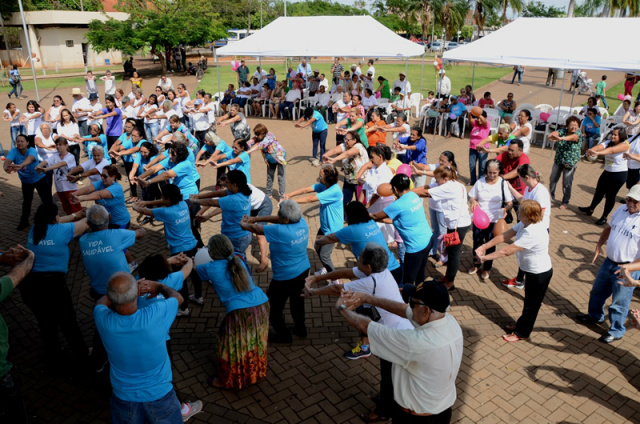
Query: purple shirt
(114, 123)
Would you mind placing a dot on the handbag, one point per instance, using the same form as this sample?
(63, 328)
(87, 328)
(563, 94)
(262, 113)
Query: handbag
(370, 311)
(453, 239)
(502, 222)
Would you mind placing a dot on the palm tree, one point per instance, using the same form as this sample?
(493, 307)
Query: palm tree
(483, 9)
(421, 11)
(450, 14)
(515, 5)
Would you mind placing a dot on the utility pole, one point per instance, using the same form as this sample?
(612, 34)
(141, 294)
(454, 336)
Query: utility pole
(26, 37)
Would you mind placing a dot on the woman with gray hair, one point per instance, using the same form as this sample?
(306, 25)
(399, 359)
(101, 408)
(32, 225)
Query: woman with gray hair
(288, 237)
(91, 168)
(242, 337)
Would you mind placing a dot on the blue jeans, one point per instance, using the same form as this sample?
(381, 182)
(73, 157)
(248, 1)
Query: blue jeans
(240, 247)
(165, 410)
(288, 108)
(438, 228)
(604, 102)
(604, 286)
(151, 131)
(319, 138)
(519, 75)
(592, 139)
(476, 156)
(15, 89)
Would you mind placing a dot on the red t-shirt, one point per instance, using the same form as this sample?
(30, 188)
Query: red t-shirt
(482, 103)
(511, 164)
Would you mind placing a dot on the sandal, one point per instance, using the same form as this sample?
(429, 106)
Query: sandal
(438, 264)
(513, 337)
(472, 271)
(372, 417)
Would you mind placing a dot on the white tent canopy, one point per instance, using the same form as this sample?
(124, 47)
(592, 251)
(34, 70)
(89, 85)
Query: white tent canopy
(562, 43)
(323, 36)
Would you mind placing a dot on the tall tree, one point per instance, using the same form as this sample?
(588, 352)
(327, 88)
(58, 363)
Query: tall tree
(484, 10)
(539, 9)
(450, 14)
(156, 25)
(515, 5)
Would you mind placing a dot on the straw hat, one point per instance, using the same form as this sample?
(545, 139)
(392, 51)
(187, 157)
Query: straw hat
(76, 91)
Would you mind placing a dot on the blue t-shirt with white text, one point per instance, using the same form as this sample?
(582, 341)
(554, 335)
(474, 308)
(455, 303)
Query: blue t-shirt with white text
(361, 234)
(409, 219)
(288, 247)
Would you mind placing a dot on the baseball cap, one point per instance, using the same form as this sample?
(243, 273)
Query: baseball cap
(433, 295)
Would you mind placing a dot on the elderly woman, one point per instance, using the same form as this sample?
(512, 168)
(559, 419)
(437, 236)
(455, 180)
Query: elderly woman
(45, 290)
(242, 338)
(328, 194)
(23, 160)
(277, 97)
(173, 212)
(631, 120)
(275, 157)
(568, 142)
(45, 143)
(353, 154)
(237, 122)
(614, 174)
(507, 107)
(95, 137)
(288, 237)
(491, 194)
(91, 168)
(531, 247)
(59, 165)
(408, 216)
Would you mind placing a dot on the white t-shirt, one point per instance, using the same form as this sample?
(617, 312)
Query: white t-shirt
(541, 195)
(95, 108)
(15, 122)
(367, 102)
(489, 197)
(54, 113)
(405, 133)
(68, 131)
(325, 83)
(91, 164)
(45, 154)
(83, 104)
(615, 162)
(109, 85)
(293, 95)
(341, 104)
(257, 197)
(452, 196)
(150, 109)
(91, 85)
(33, 124)
(60, 174)
(634, 149)
(322, 99)
(374, 177)
(386, 288)
(624, 240)
(183, 100)
(526, 140)
(433, 203)
(405, 86)
(534, 239)
(201, 121)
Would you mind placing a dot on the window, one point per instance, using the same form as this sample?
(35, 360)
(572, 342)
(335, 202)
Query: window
(69, 43)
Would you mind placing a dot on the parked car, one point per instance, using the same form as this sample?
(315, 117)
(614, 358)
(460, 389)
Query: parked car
(451, 45)
(436, 46)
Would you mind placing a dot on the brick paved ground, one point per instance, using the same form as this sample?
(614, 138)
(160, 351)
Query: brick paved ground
(562, 374)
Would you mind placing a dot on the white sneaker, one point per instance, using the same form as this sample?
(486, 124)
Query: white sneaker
(195, 407)
(198, 300)
(323, 271)
(184, 313)
(133, 266)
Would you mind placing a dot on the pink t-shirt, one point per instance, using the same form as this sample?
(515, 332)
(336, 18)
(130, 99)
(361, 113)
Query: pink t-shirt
(479, 133)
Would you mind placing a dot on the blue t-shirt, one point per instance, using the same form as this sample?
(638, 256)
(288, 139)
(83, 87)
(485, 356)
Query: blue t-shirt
(114, 123)
(224, 148)
(208, 149)
(419, 155)
(177, 227)
(28, 174)
(409, 219)
(91, 144)
(234, 207)
(137, 348)
(361, 234)
(589, 126)
(244, 165)
(217, 273)
(173, 280)
(184, 179)
(288, 247)
(103, 255)
(142, 162)
(458, 109)
(319, 124)
(52, 252)
(127, 143)
(271, 80)
(119, 214)
(331, 208)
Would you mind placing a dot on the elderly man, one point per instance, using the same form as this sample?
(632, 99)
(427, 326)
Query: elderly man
(459, 113)
(320, 101)
(103, 255)
(11, 403)
(334, 98)
(136, 342)
(398, 107)
(304, 68)
(372, 277)
(425, 360)
(165, 83)
(314, 82)
(403, 83)
(96, 107)
(622, 238)
(81, 109)
(511, 160)
(443, 87)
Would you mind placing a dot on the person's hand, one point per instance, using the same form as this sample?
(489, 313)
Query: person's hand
(480, 253)
(635, 319)
(133, 179)
(202, 218)
(624, 277)
(598, 252)
(626, 155)
(480, 148)
(193, 198)
(142, 183)
(148, 287)
(591, 153)
(73, 178)
(14, 255)
(16, 167)
(248, 219)
(352, 299)
(74, 199)
(286, 196)
(474, 204)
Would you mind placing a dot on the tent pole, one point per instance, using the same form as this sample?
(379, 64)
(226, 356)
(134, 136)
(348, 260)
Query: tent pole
(406, 65)
(473, 76)
(564, 74)
(422, 74)
(260, 62)
(215, 56)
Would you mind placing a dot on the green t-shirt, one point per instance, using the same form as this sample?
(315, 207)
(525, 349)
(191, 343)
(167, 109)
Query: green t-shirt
(6, 287)
(600, 88)
(361, 132)
(385, 92)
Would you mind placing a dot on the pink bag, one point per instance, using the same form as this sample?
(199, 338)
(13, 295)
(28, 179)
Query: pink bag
(377, 94)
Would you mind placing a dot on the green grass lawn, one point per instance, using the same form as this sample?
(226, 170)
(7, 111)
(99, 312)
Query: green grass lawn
(49, 84)
(460, 75)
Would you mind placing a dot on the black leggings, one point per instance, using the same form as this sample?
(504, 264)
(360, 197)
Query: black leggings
(481, 237)
(415, 265)
(127, 167)
(608, 186)
(633, 177)
(453, 254)
(281, 290)
(534, 292)
(195, 279)
(44, 191)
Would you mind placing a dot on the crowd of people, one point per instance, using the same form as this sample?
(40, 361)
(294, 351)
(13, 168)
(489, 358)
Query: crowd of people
(163, 141)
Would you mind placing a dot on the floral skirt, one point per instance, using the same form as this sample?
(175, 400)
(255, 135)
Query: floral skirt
(242, 347)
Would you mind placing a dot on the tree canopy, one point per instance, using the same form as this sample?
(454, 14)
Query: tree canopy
(539, 9)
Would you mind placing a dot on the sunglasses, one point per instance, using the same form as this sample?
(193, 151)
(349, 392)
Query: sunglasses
(103, 176)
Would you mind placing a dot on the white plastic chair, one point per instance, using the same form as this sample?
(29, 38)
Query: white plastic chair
(604, 113)
(494, 123)
(618, 108)
(553, 123)
(527, 106)
(544, 107)
(576, 110)
(416, 99)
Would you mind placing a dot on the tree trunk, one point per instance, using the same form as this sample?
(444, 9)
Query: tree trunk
(163, 62)
(504, 10)
(572, 5)
(249, 19)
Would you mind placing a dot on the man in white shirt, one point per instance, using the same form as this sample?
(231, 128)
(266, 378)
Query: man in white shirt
(90, 82)
(324, 82)
(304, 68)
(291, 100)
(398, 107)
(335, 97)
(109, 84)
(320, 101)
(355, 70)
(261, 74)
(443, 88)
(80, 110)
(165, 83)
(200, 120)
(96, 106)
(405, 86)
(425, 360)
(622, 237)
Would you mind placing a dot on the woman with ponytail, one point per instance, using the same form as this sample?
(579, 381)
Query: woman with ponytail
(45, 290)
(242, 336)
